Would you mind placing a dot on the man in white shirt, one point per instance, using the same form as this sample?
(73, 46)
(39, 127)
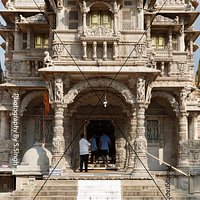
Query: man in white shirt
(84, 152)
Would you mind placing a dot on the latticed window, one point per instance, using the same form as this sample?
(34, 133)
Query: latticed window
(152, 131)
(41, 41)
(158, 42)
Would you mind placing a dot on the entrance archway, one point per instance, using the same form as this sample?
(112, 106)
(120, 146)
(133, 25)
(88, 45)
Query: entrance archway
(99, 127)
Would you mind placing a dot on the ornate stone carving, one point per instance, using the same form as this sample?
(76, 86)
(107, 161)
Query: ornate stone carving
(81, 86)
(48, 61)
(39, 18)
(183, 99)
(99, 31)
(9, 5)
(58, 90)
(140, 89)
(159, 19)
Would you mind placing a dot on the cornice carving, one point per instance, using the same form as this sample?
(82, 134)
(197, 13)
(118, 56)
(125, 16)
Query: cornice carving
(81, 86)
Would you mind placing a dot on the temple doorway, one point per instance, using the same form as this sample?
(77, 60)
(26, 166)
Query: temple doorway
(97, 128)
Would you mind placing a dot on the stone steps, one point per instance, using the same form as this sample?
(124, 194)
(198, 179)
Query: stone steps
(68, 190)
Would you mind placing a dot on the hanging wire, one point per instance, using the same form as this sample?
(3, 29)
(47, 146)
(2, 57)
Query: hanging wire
(98, 96)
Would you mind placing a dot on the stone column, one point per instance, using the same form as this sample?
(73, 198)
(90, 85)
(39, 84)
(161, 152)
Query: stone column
(68, 138)
(170, 69)
(162, 68)
(94, 50)
(181, 37)
(195, 125)
(84, 50)
(58, 143)
(29, 38)
(115, 12)
(170, 42)
(84, 10)
(104, 50)
(148, 33)
(140, 140)
(17, 36)
(193, 128)
(115, 53)
(131, 136)
(183, 141)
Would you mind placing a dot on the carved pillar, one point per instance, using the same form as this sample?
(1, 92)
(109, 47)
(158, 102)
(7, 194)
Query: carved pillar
(148, 33)
(17, 36)
(59, 21)
(183, 141)
(140, 140)
(94, 50)
(132, 131)
(162, 68)
(104, 50)
(84, 50)
(115, 11)
(115, 53)
(58, 143)
(84, 10)
(181, 37)
(170, 42)
(191, 45)
(194, 128)
(183, 131)
(68, 138)
(170, 69)
(29, 38)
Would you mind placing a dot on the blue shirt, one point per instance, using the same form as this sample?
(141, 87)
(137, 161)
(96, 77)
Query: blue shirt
(93, 144)
(104, 142)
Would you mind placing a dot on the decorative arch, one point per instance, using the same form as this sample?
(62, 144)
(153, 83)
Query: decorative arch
(170, 98)
(27, 99)
(100, 2)
(102, 82)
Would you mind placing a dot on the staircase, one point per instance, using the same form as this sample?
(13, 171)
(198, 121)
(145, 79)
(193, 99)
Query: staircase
(60, 189)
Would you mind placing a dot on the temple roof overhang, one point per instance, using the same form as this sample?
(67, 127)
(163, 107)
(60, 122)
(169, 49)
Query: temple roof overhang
(190, 15)
(147, 72)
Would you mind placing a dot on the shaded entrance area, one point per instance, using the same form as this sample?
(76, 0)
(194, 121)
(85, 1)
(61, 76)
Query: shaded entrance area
(99, 127)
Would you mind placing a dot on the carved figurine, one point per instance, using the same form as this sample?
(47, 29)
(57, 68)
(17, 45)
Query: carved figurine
(47, 59)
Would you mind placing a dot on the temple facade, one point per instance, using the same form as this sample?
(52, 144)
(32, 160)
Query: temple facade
(120, 67)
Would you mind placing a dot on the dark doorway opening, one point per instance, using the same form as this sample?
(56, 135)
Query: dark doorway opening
(98, 127)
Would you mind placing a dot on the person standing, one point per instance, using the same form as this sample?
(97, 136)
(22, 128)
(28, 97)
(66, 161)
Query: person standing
(104, 147)
(94, 150)
(84, 152)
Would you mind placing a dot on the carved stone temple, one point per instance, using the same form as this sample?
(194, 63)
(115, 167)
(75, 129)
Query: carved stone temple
(120, 67)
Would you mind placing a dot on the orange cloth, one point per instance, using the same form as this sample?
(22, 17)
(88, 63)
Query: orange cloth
(46, 103)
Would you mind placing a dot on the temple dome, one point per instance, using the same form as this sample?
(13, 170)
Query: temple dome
(38, 158)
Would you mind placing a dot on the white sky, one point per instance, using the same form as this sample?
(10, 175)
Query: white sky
(196, 54)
